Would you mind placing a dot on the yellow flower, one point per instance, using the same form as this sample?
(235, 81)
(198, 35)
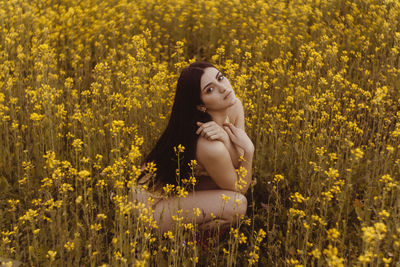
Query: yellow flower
(151, 167)
(332, 173)
(296, 212)
(358, 153)
(242, 239)
(179, 149)
(51, 255)
(380, 229)
(66, 187)
(384, 214)
(278, 178)
(69, 246)
(320, 151)
(13, 204)
(77, 144)
(333, 234)
(192, 163)
(247, 55)
(371, 234)
(116, 126)
(96, 227)
(261, 235)
(84, 174)
(177, 218)
(169, 235)
(366, 257)
(387, 261)
(29, 215)
(188, 226)
(36, 117)
(101, 216)
(196, 211)
(297, 197)
(242, 172)
(332, 256)
(181, 192)
(327, 195)
(315, 253)
(390, 149)
(225, 198)
(101, 183)
(168, 188)
(78, 200)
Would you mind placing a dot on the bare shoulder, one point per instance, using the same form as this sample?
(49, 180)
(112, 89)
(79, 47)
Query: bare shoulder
(210, 149)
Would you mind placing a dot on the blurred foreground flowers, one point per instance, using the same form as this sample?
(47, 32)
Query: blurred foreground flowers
(87, 87)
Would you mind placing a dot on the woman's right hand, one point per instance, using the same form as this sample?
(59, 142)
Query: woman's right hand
(239, 137)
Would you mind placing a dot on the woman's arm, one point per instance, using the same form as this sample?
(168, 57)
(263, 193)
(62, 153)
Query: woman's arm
(212, 131)
(215, 158)
(236, 114)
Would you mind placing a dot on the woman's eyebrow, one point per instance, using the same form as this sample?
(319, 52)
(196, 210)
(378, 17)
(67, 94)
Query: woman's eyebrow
(211, 82)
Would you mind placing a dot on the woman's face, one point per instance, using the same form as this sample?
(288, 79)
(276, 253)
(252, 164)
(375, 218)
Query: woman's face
(216, 91)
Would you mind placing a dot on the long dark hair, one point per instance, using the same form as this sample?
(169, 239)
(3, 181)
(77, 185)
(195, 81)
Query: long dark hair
(181, 129)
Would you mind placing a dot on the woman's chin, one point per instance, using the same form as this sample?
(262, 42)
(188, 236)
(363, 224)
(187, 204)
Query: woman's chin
(234, 99)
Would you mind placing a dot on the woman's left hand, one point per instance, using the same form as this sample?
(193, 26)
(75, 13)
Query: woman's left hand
(212, 131)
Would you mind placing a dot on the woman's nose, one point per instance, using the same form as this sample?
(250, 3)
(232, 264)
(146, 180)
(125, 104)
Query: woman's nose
(222, 89)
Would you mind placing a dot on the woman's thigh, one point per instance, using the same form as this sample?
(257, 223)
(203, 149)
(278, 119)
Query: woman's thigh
(213, 204)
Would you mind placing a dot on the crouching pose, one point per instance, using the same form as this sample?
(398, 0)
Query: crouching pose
(206, 125)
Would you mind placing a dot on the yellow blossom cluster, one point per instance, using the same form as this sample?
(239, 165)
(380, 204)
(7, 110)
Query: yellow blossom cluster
(87, 87)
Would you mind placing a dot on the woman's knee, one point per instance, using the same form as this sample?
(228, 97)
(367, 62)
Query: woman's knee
(237, 207)
(241, 202)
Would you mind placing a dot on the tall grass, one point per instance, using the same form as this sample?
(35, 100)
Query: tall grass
(86, 88)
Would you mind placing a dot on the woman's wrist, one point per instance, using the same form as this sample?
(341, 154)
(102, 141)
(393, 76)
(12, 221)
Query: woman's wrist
(249, 150)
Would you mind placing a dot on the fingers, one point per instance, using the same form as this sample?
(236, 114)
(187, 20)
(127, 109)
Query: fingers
(231, 127)
(209, 130)
(208, 134)
(229, 132)
(214, 137)
(202, 130)
(204, 126)
(199, 129)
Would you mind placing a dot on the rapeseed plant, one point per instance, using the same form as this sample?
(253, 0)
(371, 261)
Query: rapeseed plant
(86, 88)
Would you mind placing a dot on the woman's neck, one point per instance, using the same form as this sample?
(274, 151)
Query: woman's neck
(219, 116)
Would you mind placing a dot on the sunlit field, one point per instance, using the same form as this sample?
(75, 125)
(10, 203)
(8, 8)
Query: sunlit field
(86, 88)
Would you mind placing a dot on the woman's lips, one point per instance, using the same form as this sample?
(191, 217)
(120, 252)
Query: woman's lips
(228, 94)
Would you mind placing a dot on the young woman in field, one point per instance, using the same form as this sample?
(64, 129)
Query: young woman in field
(208, 121)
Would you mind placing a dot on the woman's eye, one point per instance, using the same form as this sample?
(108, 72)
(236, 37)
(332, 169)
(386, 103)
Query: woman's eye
(210, 89)
(220, 78)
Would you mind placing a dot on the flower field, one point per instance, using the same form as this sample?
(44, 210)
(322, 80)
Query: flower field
(86, 88)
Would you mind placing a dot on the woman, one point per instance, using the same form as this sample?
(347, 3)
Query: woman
(204, 104)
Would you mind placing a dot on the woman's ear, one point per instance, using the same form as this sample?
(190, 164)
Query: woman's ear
(202, 108)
